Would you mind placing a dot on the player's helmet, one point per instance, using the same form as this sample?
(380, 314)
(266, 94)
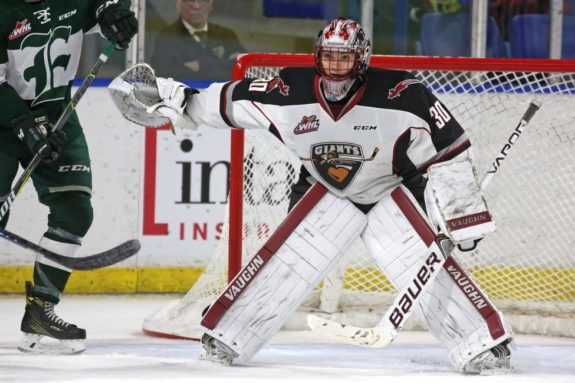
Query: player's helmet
(345, 50)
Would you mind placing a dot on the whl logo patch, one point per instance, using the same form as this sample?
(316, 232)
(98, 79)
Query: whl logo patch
(22, 28)
(307, 124)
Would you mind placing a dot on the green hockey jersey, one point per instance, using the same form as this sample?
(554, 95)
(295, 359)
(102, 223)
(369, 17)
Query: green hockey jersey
(40, 52)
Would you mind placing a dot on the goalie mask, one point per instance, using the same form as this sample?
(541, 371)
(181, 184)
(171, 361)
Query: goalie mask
(342, 52)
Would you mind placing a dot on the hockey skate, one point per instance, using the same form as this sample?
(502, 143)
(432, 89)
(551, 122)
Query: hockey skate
(495, 361)
(217, 352)
(41, 321)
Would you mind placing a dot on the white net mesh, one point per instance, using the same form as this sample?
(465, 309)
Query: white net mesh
(527, 267)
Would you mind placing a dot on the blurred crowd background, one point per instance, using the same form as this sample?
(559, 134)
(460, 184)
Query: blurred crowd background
(201, 39)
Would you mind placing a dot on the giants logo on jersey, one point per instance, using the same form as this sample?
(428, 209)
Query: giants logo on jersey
(396, 90)
(337, 162)
(307, 124)
(22, 28)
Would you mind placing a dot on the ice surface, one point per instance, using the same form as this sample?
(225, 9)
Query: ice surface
(119, 352)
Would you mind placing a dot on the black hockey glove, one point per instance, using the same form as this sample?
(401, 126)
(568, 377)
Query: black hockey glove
(38, 134)
(118, 25)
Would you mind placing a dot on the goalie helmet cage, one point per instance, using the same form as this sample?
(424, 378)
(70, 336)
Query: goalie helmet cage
(527, 267)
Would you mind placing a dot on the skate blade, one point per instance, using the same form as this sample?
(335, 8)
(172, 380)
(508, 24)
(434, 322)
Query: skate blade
(32, 343)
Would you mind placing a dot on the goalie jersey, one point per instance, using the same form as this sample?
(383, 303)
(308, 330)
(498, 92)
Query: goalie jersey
(389, 131)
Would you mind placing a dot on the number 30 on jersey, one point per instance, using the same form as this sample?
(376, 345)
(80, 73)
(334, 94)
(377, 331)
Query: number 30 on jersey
(439, 114)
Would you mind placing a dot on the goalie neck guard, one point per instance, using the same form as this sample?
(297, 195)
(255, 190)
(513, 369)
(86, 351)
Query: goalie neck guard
(342, 52)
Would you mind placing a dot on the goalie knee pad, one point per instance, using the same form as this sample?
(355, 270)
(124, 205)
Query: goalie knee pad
(456, 310)
(275, 282)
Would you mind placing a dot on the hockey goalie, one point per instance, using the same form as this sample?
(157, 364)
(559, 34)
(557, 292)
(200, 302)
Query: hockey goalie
(383, 160)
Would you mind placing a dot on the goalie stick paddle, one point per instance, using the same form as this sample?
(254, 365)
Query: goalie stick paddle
(91, 262)
(107, 51)
(402, 307)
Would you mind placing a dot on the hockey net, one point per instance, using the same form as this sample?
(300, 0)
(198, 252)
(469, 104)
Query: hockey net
(527, 267)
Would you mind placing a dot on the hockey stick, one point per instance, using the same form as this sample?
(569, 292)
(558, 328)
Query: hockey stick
(59, 124)
(91, 262)
(402, 307)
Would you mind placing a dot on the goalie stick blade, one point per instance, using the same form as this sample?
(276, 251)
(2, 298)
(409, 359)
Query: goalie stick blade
(91, 262)
(367, 337)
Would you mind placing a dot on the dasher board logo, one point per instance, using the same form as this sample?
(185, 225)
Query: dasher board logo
(338, 162)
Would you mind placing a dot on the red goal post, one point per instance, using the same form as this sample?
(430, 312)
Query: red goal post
(527, 266)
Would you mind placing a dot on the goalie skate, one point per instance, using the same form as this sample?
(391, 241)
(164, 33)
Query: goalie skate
(495, 361)
(40, 321)
(217, 352)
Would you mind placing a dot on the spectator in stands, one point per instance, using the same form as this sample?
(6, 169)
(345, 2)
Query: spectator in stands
(194, 48)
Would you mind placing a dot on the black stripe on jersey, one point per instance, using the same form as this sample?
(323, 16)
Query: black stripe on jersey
(405, 168)
(224, 104)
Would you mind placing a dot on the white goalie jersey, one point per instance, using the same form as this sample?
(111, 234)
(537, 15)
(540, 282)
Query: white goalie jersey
(391, 130)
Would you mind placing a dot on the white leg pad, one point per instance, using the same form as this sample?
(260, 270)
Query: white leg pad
(245, 318)
(455, 309)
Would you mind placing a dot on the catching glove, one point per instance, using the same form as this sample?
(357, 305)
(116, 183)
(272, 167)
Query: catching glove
(38, 134)
(174, 97)
(117, 24)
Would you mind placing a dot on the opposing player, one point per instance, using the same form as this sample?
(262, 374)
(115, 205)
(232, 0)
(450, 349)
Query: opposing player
(39, 57)
(378, 151)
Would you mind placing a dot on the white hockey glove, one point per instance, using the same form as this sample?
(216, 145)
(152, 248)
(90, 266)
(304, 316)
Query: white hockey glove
(137, 94)
(174, 98)
(455, 203)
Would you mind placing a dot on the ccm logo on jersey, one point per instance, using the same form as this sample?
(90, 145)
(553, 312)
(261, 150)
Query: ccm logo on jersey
(396, 90)
(67, 14)
(307, 124)
(405, 303)
(22, 28)
(74, 168)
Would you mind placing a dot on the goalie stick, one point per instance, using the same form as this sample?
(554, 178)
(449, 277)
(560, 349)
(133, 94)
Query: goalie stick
(91, 262)
(402, 307)
(106, 52)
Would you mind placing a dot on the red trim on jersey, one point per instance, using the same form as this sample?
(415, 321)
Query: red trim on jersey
(336, 111)
(353, 100)
(248, 273)
(447, 155)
